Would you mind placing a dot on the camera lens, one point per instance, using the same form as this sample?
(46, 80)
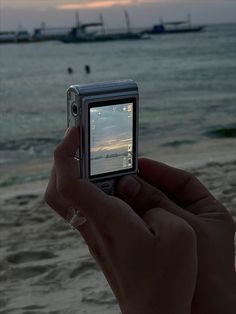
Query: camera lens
(74, 109)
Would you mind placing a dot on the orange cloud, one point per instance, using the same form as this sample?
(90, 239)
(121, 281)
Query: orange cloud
(97, 4)
(93, 5)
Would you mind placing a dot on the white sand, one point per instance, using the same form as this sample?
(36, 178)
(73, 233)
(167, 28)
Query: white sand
(45, 266)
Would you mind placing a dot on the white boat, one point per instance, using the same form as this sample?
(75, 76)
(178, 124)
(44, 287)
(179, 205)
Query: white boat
(14, 36)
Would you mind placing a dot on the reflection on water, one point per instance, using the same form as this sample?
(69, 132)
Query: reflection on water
(113, 163)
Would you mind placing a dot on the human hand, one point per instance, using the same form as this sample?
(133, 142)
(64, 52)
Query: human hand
(181, 194)
(150, 262)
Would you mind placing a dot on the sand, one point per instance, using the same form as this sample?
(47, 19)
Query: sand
(45, 266)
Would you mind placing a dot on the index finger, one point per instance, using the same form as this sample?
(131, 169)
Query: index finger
(179, 185)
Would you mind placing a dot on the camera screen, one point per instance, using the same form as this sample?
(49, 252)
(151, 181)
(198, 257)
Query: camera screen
(111, 138)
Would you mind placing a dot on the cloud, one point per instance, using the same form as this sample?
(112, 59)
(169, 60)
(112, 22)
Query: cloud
(95, 4)
(28, 4)
(91, 4)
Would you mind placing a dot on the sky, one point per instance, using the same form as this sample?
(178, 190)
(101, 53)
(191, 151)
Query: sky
(28, 14)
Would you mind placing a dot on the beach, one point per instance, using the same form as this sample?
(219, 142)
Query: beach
(45, 265)
(187, 119)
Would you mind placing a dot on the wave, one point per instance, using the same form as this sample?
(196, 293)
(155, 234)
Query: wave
(29, 256)
(26, 272)
(84, 265)
(12, 180)
(178, 143)
(228, 132)
(101, 296)
(34, 145)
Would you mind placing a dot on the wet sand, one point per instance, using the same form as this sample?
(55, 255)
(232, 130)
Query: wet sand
(45, 266)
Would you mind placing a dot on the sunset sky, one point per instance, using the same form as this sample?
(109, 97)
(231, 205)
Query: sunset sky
(30, 13)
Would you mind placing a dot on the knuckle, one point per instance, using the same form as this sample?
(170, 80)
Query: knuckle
(49, 198)
(186, 174)
(149, 198)
(63, 187)
(183, 231)
(189, 177)
(48, 195)
(232, 224)
(156, 197)
(57, 152)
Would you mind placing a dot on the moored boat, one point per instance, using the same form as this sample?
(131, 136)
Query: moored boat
(21, 36)
(80, 36)
(81, 33)
(174, 27)
(50, 33)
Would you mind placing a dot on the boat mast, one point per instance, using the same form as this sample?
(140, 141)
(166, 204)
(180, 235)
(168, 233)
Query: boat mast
(189, 20)
(127, 20)
(102, 23)
(77, 21)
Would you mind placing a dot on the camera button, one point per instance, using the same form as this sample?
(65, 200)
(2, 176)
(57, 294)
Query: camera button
(106, 190)
(105, 185)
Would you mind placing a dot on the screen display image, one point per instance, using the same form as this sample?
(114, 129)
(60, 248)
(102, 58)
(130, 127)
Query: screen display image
(111, 138)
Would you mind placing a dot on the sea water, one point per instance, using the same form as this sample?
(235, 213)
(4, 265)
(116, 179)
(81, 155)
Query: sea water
(187, 86)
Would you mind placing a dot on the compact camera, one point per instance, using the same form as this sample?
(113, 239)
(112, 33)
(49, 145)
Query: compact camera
(106, 115)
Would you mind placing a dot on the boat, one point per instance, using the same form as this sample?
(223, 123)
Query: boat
(80, 33)
(87, 32)
(50, 33)
(21, 36)
(174, 27)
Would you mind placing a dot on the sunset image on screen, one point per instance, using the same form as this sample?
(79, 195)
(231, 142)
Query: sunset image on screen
(111, 138)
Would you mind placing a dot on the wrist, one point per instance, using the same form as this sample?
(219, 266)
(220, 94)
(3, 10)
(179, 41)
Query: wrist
(217, 299)
(158, 309)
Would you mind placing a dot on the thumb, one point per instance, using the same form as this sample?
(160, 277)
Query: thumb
(105, 212)
(162, 223)
(78, 193)
(142, 197)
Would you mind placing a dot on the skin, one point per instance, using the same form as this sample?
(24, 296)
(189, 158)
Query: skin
(181, 194)
(149, 260)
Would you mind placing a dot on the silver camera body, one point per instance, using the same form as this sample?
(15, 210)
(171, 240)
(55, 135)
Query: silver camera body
(106, 115)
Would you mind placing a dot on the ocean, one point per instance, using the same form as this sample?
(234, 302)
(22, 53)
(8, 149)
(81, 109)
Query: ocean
(187, 86)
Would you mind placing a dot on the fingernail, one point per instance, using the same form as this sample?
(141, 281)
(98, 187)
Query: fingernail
(75, 218)
(67, 131)
(129, 187)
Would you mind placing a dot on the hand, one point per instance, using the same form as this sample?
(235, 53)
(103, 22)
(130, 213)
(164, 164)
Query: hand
(181, 194)
(150, 262)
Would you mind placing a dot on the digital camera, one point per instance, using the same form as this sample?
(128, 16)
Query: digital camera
(106, 115)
